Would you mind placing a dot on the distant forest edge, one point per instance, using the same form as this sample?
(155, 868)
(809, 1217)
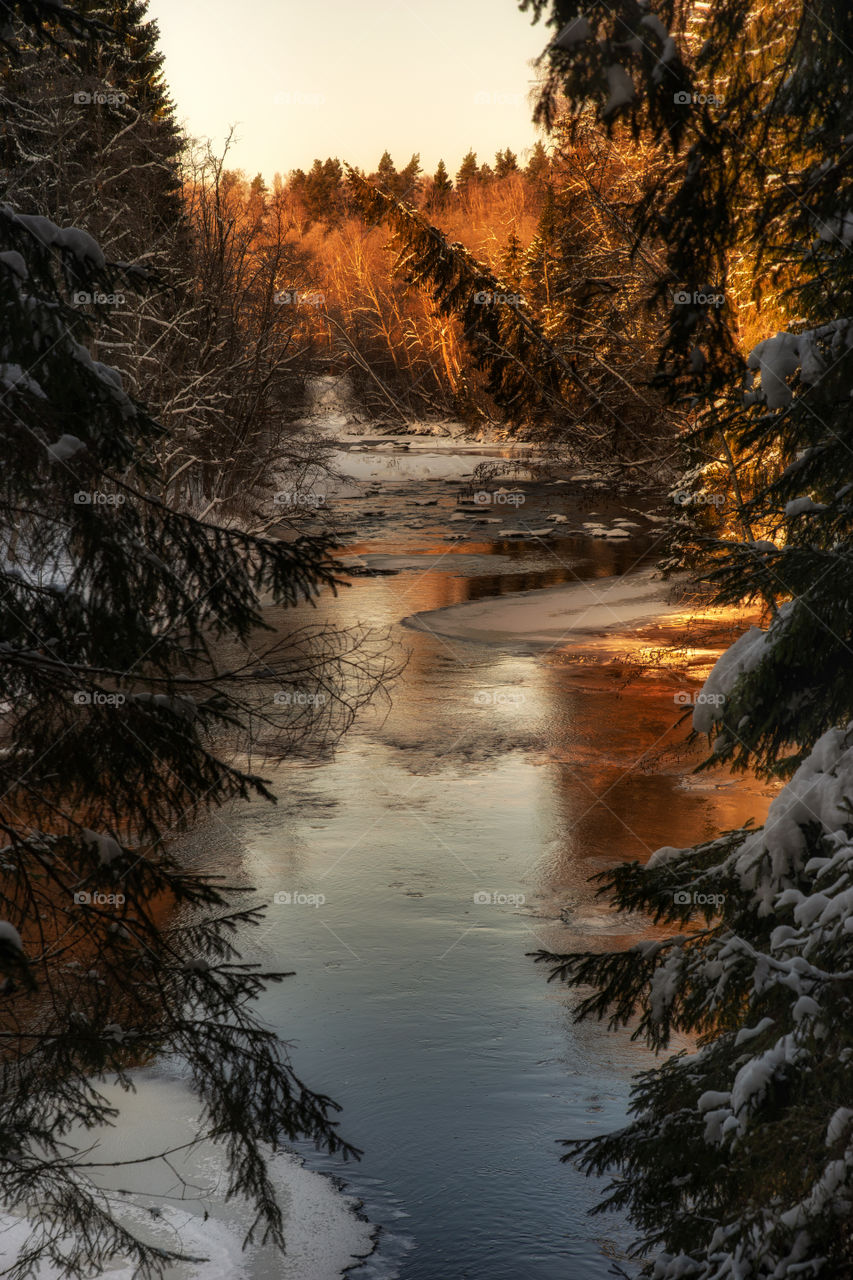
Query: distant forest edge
(505, 295)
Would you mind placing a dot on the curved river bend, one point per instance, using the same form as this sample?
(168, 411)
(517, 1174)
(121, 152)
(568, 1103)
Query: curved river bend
(447, 841)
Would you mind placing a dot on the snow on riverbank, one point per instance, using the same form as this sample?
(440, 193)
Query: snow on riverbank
(324, 1235)
(578, 611)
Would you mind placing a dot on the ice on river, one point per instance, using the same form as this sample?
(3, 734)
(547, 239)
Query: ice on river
(556, 614)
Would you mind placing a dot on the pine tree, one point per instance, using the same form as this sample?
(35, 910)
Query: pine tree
(441, 186)
(468, 171)
(114, 611)
(512, 258)
(321, 190)
(386, 176)
(409, 181)
(538, 166)
(544, 379)
(739, 1157)
(506, 162)
(90, 130)
(132, 656)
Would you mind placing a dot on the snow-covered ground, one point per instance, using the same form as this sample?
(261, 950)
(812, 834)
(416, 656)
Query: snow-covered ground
(323, 1232)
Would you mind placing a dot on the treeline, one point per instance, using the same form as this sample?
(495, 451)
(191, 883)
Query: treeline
(546, 255)
(251, 288)
(406, 359)
(326, 193)
(248, 288)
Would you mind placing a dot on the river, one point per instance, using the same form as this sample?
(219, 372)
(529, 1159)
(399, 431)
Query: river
(447, 840)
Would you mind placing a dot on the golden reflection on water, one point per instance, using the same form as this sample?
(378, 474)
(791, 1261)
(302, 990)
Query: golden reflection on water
(603, 769)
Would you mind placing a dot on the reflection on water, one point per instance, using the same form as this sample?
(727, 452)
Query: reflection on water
(446, 842)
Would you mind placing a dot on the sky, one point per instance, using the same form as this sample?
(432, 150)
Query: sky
(350, 78)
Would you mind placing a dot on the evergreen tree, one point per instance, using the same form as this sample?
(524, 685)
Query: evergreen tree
(212, 355)
(119, 695)
(565, 352)
(321, 190)
(409, 181)
(535, 373)
(386, 175)
(441, 186)
(511, 260)
(468, 171)
(131, 656)
(538, 166)
(506, 162)
(739, 1157)
(89, 129)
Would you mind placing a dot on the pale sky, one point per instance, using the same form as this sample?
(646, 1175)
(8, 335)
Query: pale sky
(350, 78)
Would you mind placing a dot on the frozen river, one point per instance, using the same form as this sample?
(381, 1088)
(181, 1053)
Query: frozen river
(409, 875)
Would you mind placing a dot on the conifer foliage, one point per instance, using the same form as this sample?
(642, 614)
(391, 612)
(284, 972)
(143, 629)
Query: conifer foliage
(738, 1159)
(542, 355)
(133, 658)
